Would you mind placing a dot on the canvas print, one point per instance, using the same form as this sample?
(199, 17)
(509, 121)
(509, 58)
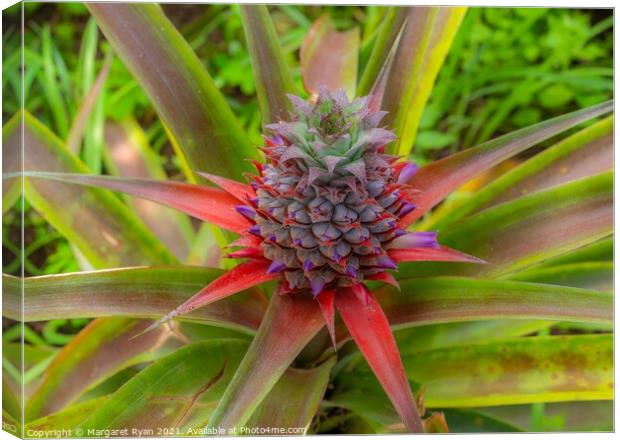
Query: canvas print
(271, 219)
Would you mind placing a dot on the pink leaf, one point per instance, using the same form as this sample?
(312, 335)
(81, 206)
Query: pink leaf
(329, 58)
(208, 204)
(385, 277)
(249, 252)
(239, 190)
(371, 331)
(431, 254)
(246, 240)
(362, 293)
(326, 302)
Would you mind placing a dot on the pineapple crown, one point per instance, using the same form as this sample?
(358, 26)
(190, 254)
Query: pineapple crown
(332, 137)
(328, 199)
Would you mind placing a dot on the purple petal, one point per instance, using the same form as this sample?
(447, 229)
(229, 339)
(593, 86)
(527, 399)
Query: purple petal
(255, 230)
(407, 172)
(246, 211)
(406, 209)
(385, 262)
(399, 232)
(416, 240)
(276, 139)
(276, 267)
(308, 265)
(317, 285)
(351, 271)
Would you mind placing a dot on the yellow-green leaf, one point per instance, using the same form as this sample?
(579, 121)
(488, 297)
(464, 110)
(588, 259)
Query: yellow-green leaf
(516, 371)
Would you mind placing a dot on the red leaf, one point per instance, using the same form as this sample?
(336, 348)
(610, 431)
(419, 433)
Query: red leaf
(438, 179)
(361, 292)
(249, 252)
(239, 190)
(209, 204)
(371, 331)
(246, 240)
(240, 278)
(431, 254)
(326, 302)
(386, 277)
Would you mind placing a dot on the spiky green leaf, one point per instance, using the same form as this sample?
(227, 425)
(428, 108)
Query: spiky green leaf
(272, 74)
(131, 292)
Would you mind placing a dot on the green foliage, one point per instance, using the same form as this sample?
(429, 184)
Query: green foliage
(513, 67)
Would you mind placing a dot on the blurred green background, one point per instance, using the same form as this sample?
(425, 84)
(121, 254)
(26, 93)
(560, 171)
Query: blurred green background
(508, 68)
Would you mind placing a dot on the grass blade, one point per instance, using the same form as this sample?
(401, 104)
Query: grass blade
(87, 57)
(80, 122)
(49, 83)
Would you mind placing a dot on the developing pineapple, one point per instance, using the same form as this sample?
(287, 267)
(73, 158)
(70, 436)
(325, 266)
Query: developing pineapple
(328, 199)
